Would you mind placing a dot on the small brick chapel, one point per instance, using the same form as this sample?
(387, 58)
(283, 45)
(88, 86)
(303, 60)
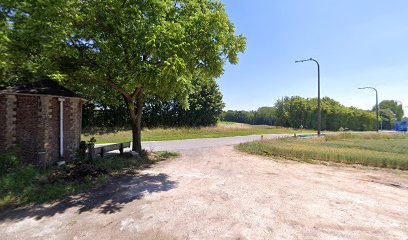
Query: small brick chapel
(42, 120)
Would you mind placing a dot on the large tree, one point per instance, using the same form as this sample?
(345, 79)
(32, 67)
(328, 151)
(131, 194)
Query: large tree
(205, 108)
(394, 106)
(139, 48)
(297, 111)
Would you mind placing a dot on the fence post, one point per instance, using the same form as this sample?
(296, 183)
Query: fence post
(121, 149)
(91, 152)
(102, 152)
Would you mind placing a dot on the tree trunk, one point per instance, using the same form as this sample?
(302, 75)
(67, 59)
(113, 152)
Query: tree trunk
(135, 103)
(136, 110)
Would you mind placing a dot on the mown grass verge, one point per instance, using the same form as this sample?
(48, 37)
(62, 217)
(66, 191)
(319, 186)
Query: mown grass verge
(376, 150)
(223, 129)
(28, 184)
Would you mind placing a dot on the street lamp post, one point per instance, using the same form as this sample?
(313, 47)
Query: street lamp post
(319, 125)
(376, 103)
(402, 107)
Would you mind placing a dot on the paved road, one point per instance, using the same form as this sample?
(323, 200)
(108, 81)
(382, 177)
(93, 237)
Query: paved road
(179, 145)
(214, 192)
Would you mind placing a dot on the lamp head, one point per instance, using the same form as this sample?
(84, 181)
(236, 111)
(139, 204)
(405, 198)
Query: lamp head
(299, 61)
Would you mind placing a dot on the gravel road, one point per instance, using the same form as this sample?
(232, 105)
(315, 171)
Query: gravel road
(215, 192)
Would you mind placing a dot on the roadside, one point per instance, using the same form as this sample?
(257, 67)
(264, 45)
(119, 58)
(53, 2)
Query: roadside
(166, 134)
(219, 193)
(179, 145)
(386, 150)
(22, 185)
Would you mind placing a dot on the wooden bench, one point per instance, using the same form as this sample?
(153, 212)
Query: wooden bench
(102, 150)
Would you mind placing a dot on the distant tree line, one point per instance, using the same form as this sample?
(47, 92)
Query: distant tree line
(298, 112)
(262, 116)
(205, 107)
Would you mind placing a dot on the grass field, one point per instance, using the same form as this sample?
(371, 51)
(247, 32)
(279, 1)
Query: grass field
(377, 150)
(223, 129)
(29, 184)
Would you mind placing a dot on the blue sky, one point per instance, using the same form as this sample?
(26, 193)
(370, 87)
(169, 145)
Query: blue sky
(357, 42)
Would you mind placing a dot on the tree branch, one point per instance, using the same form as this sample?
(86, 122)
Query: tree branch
(121, 90)
(75, 45)
(124, 2)
(136, 92)
(126, 52)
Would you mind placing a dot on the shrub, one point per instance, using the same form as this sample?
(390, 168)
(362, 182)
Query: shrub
(9, 162)
(81, 153)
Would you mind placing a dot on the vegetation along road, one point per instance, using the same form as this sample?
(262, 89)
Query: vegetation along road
(223, 129)
(216, 192)
(387, 150)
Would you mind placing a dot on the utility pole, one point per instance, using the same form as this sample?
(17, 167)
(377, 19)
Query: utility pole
(319, 118)
(376, 104)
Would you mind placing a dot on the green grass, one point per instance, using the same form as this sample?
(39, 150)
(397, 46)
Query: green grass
(223, 129)
(165, 154)
(226, 123)
(31, 185)
(377, 150)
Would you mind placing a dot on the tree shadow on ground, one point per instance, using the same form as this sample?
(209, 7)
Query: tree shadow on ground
(107, 199)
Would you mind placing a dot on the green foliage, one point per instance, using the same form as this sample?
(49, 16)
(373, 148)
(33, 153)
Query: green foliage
(205, 108)
(265, 116)
(238, 116)
(81, 153)
(379, 150)
(29, 184)
(262, 116)
(116, 165)
(102, 116)
(156, 44)
(299, 112)
(9, 162)
(394, 107)
(140, 49)
(166, 154)
(390, 112)
(17, 182)
(388, 118)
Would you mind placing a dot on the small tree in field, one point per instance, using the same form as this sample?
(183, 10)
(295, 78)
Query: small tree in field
(139, 48)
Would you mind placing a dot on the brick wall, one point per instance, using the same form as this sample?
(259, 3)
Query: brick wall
(72, 127)
(28, 134)
(8, 106)
(53, 130)
(33, 124)
(3, 125)
(43, 124)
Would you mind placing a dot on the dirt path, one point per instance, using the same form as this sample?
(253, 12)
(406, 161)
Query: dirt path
(218, 193)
